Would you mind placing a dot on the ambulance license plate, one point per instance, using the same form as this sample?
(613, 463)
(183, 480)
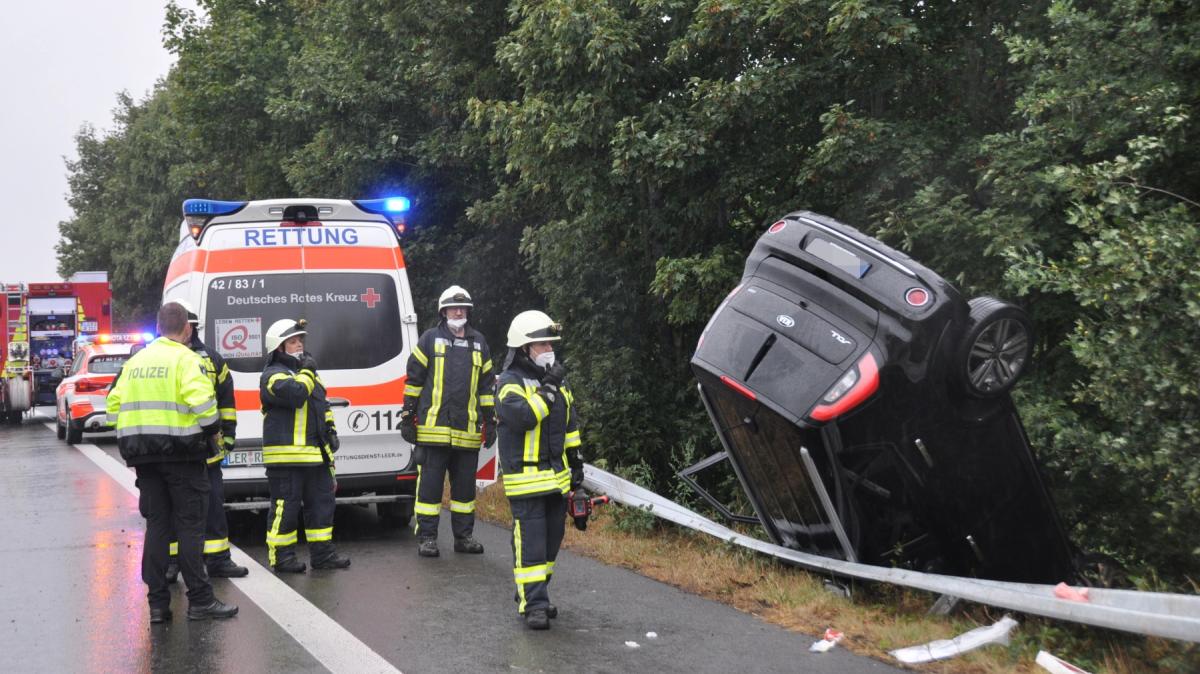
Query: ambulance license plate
(243, 457)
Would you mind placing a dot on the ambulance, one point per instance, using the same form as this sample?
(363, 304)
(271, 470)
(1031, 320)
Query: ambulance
(338, 264)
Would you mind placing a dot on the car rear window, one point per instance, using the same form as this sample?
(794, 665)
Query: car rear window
(108, 364)
(353, 318)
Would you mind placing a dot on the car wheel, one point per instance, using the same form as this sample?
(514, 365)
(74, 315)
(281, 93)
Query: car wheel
(59, 429)
(74, 433)
(15, 417)
(995, 350)
(395, 515)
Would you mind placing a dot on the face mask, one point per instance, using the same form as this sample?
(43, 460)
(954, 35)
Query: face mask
(296, 354)
(456, 323)
(544, 360)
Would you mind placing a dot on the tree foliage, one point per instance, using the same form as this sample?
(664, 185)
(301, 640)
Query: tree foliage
(612, 162)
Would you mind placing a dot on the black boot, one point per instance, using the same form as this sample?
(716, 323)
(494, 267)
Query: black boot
(216, 609)
(172, 572)
(225, 568)
(289, 565)
(468, 545)
(333, 561)
(551, 611)
(428, 548)
(537, 619)
(160, 615)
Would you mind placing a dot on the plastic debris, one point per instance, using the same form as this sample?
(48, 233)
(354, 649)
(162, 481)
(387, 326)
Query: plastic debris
(1057, 665)
(832, 636)
(996, 633)
(633, 644)
(651, 635)
(1064, 591)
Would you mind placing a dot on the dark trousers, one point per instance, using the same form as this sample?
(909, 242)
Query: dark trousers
(216, 527)
(294, 489)
(461, 464)
(538, 526)
(174, 494)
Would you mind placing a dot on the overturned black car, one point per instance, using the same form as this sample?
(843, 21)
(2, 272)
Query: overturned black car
(864, 407)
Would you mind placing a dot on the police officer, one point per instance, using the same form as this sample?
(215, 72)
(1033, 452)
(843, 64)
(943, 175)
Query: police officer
(216, 533)
(539, 455)
(448, 413)
(164, 411)
(299, 440)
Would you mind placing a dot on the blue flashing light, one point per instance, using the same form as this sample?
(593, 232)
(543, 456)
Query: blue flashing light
(147, 337)
(396, 204)
(211, 207)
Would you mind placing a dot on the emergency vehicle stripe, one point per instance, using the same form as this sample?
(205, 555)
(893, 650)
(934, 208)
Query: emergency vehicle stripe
(472, 403)
(383, 393)
(216, 545)
(420, 355)
(318, 535)
(285, 257)
(462, 507)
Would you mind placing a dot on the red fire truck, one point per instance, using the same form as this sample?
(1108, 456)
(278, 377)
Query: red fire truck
(38, 328)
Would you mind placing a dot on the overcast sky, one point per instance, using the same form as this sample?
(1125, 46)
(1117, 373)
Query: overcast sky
(62, 63)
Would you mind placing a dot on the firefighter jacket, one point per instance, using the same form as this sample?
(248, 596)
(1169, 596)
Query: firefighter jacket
(222, 381)
(538, 440)
(163, 405)
(297, 420)
(451, 378)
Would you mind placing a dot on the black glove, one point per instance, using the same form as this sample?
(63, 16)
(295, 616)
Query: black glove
(488, 431)
(555, 374)
(408, 421)
(307, 362)
(576, 477)
(549, 392)
(334, 443)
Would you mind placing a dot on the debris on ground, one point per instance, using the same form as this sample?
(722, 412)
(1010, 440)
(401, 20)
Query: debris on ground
(1064, 591)
(1056, 665)
(832, 636)
(996, 633)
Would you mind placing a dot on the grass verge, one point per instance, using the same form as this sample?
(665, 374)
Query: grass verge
(877, 619)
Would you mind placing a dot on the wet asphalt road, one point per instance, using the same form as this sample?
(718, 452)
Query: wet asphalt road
(73, 599)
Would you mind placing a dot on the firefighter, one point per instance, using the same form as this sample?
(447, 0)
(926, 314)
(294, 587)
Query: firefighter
(448, 414)
(165, 413)
(539, 454)
(299, 441)
(216, 532)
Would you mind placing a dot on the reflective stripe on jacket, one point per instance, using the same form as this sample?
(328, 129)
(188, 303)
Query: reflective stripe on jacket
(162, 404)
(295, 415)
(218, 373)
(538, 440)
(451, 378)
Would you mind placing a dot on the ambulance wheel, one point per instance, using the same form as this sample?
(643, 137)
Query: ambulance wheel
(74, 434)
(60, 430)
(395, 515)
(14, 417)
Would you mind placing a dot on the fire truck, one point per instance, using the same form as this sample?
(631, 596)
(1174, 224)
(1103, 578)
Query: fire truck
(39, 325)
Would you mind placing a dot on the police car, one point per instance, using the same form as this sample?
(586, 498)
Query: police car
(339, 265)
(80, 397)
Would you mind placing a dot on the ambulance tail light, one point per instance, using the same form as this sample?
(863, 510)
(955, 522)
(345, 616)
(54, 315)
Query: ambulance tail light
(392, 208)
(198, 212)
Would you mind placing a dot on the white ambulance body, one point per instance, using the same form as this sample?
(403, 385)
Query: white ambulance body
(338, 264)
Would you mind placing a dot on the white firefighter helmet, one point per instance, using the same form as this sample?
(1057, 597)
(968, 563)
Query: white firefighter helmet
(454, 296)
(193, 317)
(282, 329)
(532, 326)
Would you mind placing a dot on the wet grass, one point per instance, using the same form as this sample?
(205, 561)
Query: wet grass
(877, 618)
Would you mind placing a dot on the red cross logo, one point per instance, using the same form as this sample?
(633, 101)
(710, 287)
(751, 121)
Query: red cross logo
(371, 297)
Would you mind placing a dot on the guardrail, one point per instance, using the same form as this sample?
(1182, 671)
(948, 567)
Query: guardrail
(1174, 616)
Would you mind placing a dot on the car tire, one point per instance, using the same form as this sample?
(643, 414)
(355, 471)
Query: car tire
(59, 429)
(15, 418)
(74, 433)
(396, 514)
(995, 349)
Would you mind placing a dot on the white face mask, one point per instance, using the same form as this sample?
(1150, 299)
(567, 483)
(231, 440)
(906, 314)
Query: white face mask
(456, 323)
(544, 360)
(299, 350)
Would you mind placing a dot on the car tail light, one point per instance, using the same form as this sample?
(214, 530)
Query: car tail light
(89, 386)
(728, 381)
(855, 386)
(777, 227)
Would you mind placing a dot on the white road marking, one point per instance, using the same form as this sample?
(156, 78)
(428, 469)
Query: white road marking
(323, 637)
